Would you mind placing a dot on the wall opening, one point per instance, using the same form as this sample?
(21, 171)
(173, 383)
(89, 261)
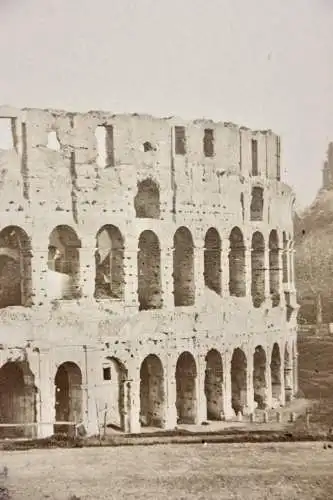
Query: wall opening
(147, 200)
(114, 393)
(208, 142)
(105, 145)
(259, 378)
(214, 385)
(186, 403)
(254, 156)
(288, 375)
(149, 272)
(237, 269)
(238, 381)
(276, 373)
(274, 268)
(257, 204)
(212, 261)
(183, 268)
(64, 262)
(8, 133)
(15, 267)
(258, 269)
(152, 392)
(17, 400)
(53, 141)
(285, 259)
(109, 263)
(242, 206)
(68, 397)
(180, 140)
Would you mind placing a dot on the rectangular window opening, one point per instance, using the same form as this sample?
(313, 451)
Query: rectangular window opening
(106, 373)
(8, 133)
(209, 142)
(255, 157)
(180, 140)
(105, 145)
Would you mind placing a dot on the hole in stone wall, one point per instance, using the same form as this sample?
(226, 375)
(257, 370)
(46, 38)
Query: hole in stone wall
(186, 374)
(149, 272)
(8, 135)
(214, 385)
(147, 146)
(151, 392)
(17, 400)
(180, 140)
(183, 268)
(15, 267)
(212, 261)
(147, 200)
(107, 373)
(105, 145)
(52, 141)
(208, 142)
(64, 262)
(274, 268)
(237, 263)
(258, 269)
(259, 377)
(109, 259)
(238, 381)
(257, 204)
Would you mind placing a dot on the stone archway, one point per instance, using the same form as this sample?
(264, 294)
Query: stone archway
(68, 399)
(276, 375)
(149, 271)
(238, 381)
(237, 270)
(186, 403)
(214, 385)
(17, 400)
(259, 377)
(152, 397)
(183, 268)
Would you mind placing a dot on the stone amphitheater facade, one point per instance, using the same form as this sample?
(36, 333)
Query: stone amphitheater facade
(147, 274)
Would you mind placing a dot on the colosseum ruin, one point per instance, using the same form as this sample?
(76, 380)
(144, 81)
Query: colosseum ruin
(147, 272)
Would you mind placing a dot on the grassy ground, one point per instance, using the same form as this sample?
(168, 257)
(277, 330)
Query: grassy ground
(238, 471)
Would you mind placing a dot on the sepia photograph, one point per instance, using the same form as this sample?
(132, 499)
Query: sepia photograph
(166, 249)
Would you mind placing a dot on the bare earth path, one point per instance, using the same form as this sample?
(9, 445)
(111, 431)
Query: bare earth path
(233, 471)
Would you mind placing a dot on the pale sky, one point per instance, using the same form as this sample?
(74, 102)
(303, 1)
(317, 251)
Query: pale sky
(259, 63)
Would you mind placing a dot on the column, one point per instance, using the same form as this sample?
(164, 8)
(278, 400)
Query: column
(89, 409)
(288, 379)
(167, 277)
(39, 271)
(46, 414)
(171, 395)
(87, 269)
(281, 287)
(131, 273)
(248, 268)
(268, 300)
(225, 248)
(227, 387)
(199, 282)
(200, 390)
(133, 393)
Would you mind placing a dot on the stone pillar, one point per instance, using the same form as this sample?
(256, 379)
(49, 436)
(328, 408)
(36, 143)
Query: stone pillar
(227, 388)
(87, 269)
(268, 300)
(167, 277)
(200, 390)
(133, 388)
(46, 414)
(248, 267)
(295, 369)
(131, 273)
(171, 396)
(39, 271)
(225, 248)
(288, 379)
(249, 385)
(199, 281)
(281, 287)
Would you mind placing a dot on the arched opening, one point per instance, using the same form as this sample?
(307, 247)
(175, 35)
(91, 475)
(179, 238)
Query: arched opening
(64, 263)
(258, 269)
(259, 377)
(186, 403)
(152, 392)
(68, 399)
(183, 268)
(17, 400)
(147, 200)
(257, 204)
(15, 268)
(274, 268)
(112, 403)
(288, 375)
(238, 381)
(276, 374)
(237, 263)
(149, 272)
(212, 261)
(285, 259)
(109, 262)
(214, 385)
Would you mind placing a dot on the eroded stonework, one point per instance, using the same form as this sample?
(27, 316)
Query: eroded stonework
(146, 275)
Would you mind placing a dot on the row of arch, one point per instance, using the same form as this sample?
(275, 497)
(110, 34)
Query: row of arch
(18, 392)
(64, 263)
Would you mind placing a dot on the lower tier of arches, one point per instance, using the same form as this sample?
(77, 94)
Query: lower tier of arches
(158, 391)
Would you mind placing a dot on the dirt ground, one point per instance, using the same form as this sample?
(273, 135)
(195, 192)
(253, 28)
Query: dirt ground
(234, 471)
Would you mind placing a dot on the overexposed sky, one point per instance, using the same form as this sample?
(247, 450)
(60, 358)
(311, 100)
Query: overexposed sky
(259, 63)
